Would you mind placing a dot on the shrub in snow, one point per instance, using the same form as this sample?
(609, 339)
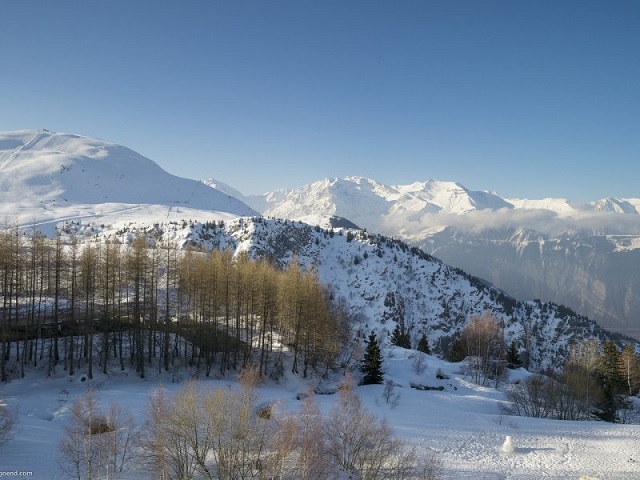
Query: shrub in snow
(389, 393)
(543, 397)
(419, 363)
(358, 444)
(96, 444)
(430, 467)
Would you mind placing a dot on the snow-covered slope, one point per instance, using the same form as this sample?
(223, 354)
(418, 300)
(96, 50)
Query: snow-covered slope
(462, 426)
(46, 175)
(381, 281)
(585, 255)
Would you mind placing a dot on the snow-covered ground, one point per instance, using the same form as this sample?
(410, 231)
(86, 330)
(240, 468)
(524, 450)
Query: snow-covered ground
(462, 424)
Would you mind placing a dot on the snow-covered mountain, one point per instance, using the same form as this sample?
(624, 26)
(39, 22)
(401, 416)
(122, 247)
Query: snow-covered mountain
(584, 255)
(94, 189)
(371, 204)
(45, 176)
(418, 206)
(381, 281)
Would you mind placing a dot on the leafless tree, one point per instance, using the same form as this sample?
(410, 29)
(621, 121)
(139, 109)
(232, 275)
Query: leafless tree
(358, 443)
(430, 466)
(96, 444)
(545, 397)
(419, 363)
(216, 433)
(389, 393)
(483, 343)
(164, 448)
(312, 459)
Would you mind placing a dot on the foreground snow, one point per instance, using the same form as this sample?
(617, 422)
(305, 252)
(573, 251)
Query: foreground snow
(462, 424)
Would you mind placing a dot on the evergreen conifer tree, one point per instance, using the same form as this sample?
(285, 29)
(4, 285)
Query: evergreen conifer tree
(371, 365)
(457, 352)
(423, 345)
(400, 338)
(513, 357)
(611, 381)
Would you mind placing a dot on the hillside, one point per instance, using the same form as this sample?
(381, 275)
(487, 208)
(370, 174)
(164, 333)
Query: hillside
(47, 176)
(584, 255)
(381, 281)
(94, 189)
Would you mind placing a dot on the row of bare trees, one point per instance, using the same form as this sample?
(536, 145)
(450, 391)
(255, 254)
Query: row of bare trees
(151, 305)
(225, 433)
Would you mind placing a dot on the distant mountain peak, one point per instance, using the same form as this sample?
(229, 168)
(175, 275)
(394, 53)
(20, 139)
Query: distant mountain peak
(614, 204)
(371, 204)
(43, 170)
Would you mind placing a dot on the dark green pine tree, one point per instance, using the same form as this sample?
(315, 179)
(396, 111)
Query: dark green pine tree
(611, 381)
(513, 357)
(423, 345)
(457, 352)
(400, 338)
(371, 365)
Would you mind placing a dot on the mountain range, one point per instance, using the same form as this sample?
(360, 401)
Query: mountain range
(583, 255)
(94, 190)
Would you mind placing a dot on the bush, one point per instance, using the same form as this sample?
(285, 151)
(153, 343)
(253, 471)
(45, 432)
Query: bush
(221, 434)
(544, 397)
(358, 444)
(96, 444)
(419, 363)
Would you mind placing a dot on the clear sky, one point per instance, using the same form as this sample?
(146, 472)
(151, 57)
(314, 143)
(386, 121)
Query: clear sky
(526, 98)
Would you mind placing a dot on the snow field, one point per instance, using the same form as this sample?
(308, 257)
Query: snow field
(462, 424)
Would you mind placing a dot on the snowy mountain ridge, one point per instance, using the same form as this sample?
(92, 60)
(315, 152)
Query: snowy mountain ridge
(374, 205)
(54, 181)
(46, 175)
(381, 281)
(584, 255)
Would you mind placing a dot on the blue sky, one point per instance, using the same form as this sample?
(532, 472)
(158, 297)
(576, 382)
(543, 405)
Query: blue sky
(526, 98)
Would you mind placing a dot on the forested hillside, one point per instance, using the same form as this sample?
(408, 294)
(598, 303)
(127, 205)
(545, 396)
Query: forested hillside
(379, 281)
(152, 305)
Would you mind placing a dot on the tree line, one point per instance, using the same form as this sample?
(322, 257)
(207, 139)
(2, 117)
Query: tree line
(147, 304)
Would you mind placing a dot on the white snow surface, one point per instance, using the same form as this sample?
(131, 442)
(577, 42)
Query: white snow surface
(47, 176)
(462, 424)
